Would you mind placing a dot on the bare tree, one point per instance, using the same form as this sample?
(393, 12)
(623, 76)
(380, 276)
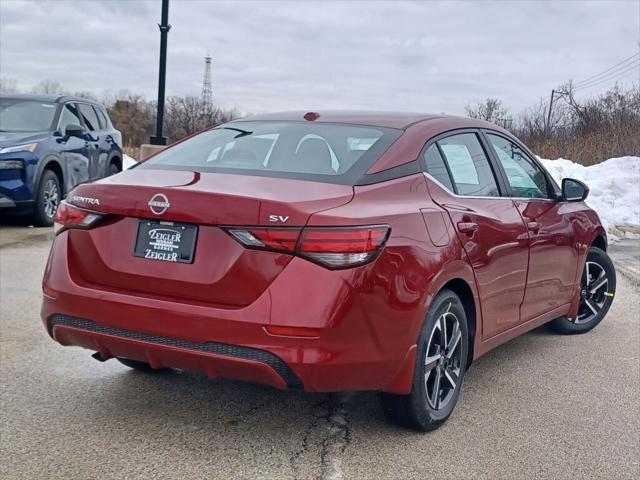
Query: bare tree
(490, 110)
(187, 115)
(49, 87)
(8, 85)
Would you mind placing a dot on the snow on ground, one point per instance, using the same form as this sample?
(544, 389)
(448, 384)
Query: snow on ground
(128, 162)
(614, 191)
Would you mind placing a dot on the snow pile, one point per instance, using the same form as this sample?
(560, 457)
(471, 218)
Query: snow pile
(128, 162)
(614, 191)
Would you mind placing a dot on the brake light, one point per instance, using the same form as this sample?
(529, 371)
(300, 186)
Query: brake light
(331, 247)
(274, 239)
(69, 216)
(342, 247)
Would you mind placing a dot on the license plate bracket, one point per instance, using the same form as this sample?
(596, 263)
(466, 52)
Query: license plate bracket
(166, 241)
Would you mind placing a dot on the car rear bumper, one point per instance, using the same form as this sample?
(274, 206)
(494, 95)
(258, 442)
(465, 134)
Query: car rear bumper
(361, 345)
(214, 359)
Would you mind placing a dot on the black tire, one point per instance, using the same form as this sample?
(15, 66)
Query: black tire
(142, 366)
(47, 199)
(600, 299)
(415, 410)
(113, 168)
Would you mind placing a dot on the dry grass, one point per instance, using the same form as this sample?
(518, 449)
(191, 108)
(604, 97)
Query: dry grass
(592, 148)
(133, 152)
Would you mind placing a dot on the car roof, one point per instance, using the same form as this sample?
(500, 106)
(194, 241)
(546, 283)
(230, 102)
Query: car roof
(47, 98)
(372, 118)
(400, 120)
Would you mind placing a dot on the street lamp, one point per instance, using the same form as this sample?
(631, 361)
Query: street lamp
(164, 26)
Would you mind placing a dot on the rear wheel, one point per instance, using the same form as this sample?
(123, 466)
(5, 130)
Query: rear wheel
(597, 288)
(441, 359)
(142, 366)
(48, 198)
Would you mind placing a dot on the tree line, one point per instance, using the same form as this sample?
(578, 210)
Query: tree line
(587, 131)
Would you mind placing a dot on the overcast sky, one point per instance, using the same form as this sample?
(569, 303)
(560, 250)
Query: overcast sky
(425, 56)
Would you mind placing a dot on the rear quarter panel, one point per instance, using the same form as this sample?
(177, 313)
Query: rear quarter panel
(394, 293)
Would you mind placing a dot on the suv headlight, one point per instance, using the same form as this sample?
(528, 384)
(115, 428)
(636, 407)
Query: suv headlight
(27, 147)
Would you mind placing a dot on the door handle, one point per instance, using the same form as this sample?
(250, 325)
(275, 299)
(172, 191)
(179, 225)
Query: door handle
(534, 226)
(467, 227)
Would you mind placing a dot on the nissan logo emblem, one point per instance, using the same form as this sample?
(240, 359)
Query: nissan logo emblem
(159, 204)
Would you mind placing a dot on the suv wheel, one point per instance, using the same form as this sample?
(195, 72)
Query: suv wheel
(441, 360)
(597, 289)
(48, 198)
(113, 169)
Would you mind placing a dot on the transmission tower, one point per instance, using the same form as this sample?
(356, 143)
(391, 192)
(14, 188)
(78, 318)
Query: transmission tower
(207, 92)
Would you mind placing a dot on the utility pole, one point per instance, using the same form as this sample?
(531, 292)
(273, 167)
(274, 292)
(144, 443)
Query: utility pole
(164, 26)
(548, 122)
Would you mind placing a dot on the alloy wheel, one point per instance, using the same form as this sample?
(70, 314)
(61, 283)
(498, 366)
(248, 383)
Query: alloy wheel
(50, 198)
(593, 292)
(442, 360)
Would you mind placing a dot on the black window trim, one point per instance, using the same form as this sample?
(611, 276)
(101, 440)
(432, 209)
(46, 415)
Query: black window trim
(498, 177)
(551, 184)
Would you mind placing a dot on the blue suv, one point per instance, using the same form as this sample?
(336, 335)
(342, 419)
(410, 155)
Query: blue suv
(48, 145)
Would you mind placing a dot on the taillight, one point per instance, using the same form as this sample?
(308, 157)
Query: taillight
(69, 216)
(331, 247)
(274, 239)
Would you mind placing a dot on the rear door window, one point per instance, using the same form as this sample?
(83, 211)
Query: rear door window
(469, 166)
(436, 167)
(102, 120)
(89, 116)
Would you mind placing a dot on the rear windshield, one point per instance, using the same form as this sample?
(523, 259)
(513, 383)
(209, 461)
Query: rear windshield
(21, 115)
(335, 153)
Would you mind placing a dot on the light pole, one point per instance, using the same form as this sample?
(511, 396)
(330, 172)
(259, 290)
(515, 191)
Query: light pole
(164, 26)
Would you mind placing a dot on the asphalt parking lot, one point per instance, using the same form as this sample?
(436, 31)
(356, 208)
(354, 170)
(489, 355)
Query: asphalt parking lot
(542, 406)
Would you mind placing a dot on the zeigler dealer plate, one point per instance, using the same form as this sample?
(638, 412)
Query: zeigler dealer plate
(166, 241)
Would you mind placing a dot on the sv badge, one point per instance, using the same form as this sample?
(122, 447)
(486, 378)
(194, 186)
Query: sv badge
(278, 218)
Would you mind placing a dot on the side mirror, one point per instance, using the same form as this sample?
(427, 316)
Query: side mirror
(73, 130)
(573, 190)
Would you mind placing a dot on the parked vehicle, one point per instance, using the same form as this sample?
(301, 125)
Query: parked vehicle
(328, 252)
(48, 145)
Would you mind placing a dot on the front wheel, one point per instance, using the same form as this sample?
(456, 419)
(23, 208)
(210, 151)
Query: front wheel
(597, 288)
(441, 359)
(48, 198)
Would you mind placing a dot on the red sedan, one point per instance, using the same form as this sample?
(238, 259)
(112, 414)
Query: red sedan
(328, 252)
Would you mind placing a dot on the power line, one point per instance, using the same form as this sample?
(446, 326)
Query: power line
(617, 66)
(611, 76)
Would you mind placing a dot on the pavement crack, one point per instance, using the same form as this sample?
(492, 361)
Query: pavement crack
(329, 432)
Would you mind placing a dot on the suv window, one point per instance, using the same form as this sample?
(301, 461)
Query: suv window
(524, 176)
(469, 165)
(69, 116)
(436, 167)
(102, 119)
(89, 116)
